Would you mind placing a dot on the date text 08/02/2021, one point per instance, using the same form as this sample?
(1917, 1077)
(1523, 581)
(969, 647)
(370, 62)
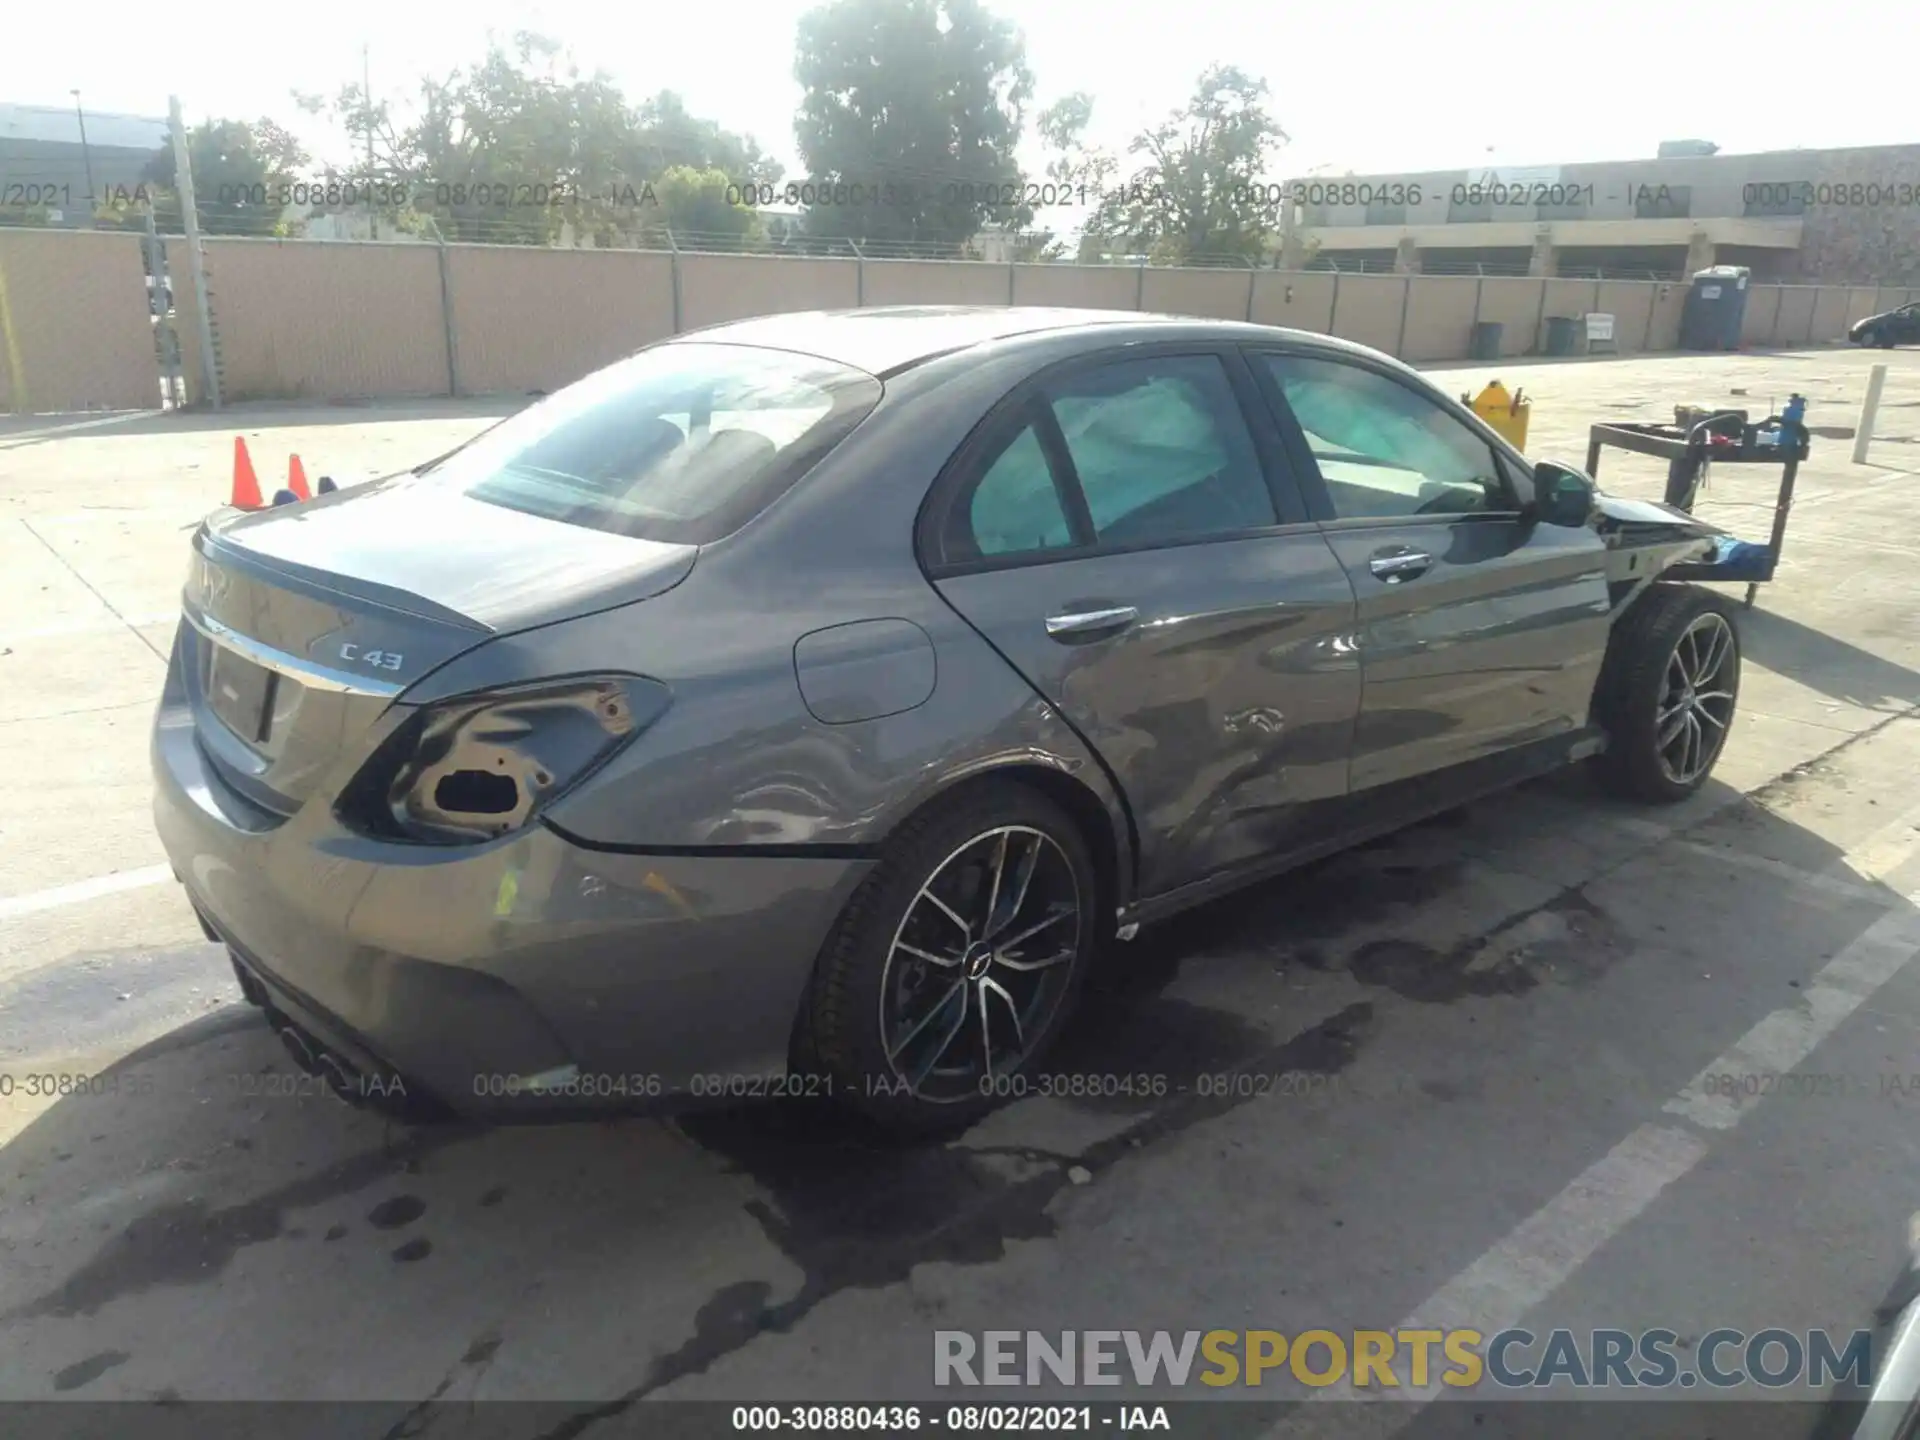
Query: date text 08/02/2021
(441, 194)
(959, 1419)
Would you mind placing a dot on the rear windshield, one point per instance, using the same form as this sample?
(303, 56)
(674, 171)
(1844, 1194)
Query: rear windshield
(682, 442)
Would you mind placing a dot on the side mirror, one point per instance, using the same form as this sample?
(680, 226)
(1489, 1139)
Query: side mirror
(1562, 495)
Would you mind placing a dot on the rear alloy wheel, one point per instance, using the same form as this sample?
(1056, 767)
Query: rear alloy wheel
(956, 962)
(1667, 693)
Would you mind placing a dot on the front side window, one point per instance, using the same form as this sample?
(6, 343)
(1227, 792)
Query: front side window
(1161, 450)
(1385, 450)
(682, 442)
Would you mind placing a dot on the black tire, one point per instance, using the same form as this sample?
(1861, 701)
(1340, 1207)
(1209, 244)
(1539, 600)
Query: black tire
(1637, 694)
(841, 1036)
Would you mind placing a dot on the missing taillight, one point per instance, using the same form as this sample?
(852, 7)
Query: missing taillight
(476, 792)
(468, 770)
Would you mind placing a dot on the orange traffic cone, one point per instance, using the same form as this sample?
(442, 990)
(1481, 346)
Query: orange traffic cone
(246, 485)
(297, 479)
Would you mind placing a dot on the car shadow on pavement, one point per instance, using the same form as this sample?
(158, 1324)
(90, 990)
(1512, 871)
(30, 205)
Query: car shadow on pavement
(1826, 663)
(198, 1220)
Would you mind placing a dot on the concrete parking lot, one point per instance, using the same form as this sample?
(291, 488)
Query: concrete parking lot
(1454, 1076)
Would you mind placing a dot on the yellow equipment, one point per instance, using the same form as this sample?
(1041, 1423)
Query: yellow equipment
(1506, 413)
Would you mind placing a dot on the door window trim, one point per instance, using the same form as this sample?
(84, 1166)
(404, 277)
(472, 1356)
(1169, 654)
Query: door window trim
(1313, 484)
(1026, 404)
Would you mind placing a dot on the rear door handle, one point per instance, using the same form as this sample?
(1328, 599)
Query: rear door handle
(1399, 564)
(1080, 623)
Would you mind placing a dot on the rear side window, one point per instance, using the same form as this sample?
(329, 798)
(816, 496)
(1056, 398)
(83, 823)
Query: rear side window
(1015, 507)
(683, 442)
(1161, 450)
(1157, 449)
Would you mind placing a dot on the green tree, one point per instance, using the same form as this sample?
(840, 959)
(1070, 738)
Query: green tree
(920, 103)
(666, 136)
(237, 165)
(1072, 162)
(1196, 191)
(707, 207)
(523, 143)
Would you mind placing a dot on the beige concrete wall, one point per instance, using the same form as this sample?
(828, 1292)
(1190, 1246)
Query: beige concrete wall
(526, 319)
(1669, 303)
(1440, 317)
(1830, 305)
(1094, 287)
(325, 319)
(335, 319)
(1763, 305)
(1796, 315)
(75, 332)
(717, 288)
(1630, 302)
(936, 282)
(1568, 297)
(1220, 294)
(1513, 303)
(1367, 310)
(1298, 299)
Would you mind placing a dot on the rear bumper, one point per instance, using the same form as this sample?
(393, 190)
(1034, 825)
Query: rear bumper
(472, 972)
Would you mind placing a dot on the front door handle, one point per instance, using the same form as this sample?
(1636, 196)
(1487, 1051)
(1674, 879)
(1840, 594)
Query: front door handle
(1080, 623)
(1399, 564)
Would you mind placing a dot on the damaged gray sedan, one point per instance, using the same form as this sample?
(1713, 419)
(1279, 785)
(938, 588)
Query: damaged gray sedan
(806, 705)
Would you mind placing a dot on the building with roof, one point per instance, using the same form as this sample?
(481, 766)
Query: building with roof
(46, 167)
(1838, 216)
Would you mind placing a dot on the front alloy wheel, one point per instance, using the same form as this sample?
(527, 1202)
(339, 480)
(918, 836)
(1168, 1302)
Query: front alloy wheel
(1667, 693)
(956, 961)
(1696, 704)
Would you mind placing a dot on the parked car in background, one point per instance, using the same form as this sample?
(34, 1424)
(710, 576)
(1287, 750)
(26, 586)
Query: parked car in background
(818, 696)
(1899, 326)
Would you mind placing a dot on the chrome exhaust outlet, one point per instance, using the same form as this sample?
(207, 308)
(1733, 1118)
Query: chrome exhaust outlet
(342, 1081)
(297, 1045)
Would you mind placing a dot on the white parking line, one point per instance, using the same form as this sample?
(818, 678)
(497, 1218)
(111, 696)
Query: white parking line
(46, 432)
(81, 890)
(1506, 1282)
(1780, 1041)
(1540, 1254)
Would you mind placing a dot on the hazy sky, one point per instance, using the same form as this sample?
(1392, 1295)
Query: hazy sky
(1361, 84)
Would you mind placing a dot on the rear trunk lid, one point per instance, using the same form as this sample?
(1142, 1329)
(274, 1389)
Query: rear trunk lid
(303, 623)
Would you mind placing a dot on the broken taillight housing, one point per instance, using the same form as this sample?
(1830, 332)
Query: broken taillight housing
(469, 769)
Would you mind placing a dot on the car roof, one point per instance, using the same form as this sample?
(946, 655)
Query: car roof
(885, 339)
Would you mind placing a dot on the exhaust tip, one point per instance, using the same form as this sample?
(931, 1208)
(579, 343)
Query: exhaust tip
(297, 1045)
(342, 1080)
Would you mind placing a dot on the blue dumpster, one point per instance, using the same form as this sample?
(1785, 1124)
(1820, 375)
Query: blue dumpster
(1716, 308)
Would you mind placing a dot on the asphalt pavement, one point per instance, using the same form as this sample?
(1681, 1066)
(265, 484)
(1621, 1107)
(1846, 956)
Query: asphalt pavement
(1549, 1061)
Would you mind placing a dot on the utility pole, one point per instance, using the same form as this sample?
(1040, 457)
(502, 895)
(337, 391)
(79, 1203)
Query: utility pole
(86, 155)
(196, 262)
(366, 96)
(1289, 241)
